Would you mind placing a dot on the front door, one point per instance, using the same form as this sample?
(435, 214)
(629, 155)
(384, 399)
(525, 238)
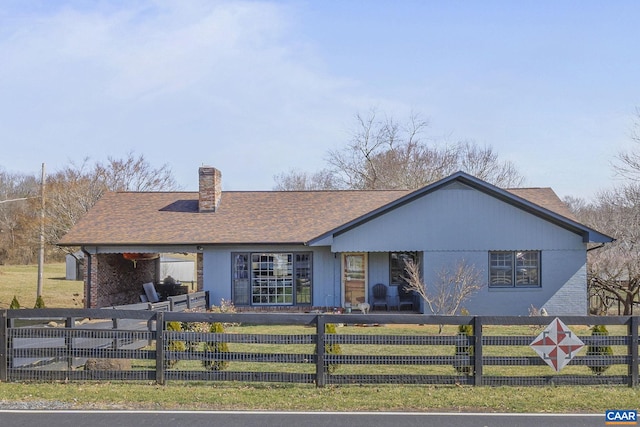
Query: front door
(354, 278)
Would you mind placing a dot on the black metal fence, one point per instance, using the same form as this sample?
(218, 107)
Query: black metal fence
(161, 346)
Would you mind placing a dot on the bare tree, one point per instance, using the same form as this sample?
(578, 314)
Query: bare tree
(134, 174)
(75, 189)
(483, 163)
(453, 286)
(383, 154)
(296, 180)
(628, 162)
(16, 217)
(614, 269)
(71, 192)
(386, 154)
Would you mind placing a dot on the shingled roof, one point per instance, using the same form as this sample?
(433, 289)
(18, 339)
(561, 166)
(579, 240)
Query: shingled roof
(243, 217)
(128, 218)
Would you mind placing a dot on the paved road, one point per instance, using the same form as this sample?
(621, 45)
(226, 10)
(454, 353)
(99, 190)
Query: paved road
(268, 419)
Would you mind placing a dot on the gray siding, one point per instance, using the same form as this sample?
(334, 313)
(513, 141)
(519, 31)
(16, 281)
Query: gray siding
(563, 279)
(378, 268)
(326, 275)
(456, 218)
(458, 222)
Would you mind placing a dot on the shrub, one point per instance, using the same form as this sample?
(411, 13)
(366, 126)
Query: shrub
(462, 347)
(599, 350)
(14, 304)
(39, 302)
(330, 328)
(226, 306)
(201, 327)
(175, 345)
(216, 348)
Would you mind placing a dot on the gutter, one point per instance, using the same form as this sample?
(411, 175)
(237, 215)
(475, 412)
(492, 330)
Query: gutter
(601, 245)
(87, 279)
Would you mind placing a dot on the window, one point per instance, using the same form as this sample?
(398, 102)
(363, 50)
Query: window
(302, 268)
(241, 279)
(397, 262)
(272, 278)
(514, 269)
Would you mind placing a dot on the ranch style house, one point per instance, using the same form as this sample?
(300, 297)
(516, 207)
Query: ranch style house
(322, 250)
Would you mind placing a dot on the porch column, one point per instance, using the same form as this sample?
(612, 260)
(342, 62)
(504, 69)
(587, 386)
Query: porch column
(90, 280)
(200, 272)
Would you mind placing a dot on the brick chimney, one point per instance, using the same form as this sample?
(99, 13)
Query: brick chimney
(210, 189)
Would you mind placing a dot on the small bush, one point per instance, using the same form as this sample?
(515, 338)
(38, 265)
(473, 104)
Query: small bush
(226, 306)
(39, 302)
(175, 345)
(599, 350)
(463, 348)
(15, 305)
(216, 348)
(330, 328)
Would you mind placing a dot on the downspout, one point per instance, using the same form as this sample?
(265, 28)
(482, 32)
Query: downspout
(596, 247)
(87, 278)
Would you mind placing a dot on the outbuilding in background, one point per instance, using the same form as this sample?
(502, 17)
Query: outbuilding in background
(75, 266)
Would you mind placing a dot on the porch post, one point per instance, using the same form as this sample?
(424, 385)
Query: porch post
(200, 272)
(90, 280)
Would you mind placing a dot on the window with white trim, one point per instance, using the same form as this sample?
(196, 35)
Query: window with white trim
(514, 269)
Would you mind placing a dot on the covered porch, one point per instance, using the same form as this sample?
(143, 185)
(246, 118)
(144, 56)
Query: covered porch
(376, 279)
(116, 277)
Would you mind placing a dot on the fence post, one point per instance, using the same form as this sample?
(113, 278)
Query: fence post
(477, 351)
(160, 347)
(4, 356)
(634, 323)
(68, 325)
(320, 348)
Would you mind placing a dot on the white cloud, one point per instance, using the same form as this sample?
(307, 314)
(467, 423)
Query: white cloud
(180, 82)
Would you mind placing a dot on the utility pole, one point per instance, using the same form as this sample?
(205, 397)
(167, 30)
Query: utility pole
(41, 252)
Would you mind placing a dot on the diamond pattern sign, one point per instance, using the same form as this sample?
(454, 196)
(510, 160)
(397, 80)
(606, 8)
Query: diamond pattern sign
(557, 345)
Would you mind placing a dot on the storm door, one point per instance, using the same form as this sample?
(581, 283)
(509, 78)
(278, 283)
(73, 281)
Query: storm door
(354, 278)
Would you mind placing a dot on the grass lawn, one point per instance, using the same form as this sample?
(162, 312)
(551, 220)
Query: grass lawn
(290, 397)
(21, 281)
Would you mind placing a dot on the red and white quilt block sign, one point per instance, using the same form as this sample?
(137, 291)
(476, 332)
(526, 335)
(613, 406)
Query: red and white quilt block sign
(557, 345)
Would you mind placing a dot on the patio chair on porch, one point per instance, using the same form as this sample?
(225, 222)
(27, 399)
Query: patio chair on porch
(379, 297)
(406, 298)
(150, 292)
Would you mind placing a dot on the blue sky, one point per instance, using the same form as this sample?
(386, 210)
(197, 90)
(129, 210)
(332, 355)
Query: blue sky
(257, 88)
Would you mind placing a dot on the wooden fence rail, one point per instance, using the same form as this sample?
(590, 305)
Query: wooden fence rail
(59, 344)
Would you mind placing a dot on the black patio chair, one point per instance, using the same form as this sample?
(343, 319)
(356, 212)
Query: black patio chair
(379, 297)
(406, 298)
